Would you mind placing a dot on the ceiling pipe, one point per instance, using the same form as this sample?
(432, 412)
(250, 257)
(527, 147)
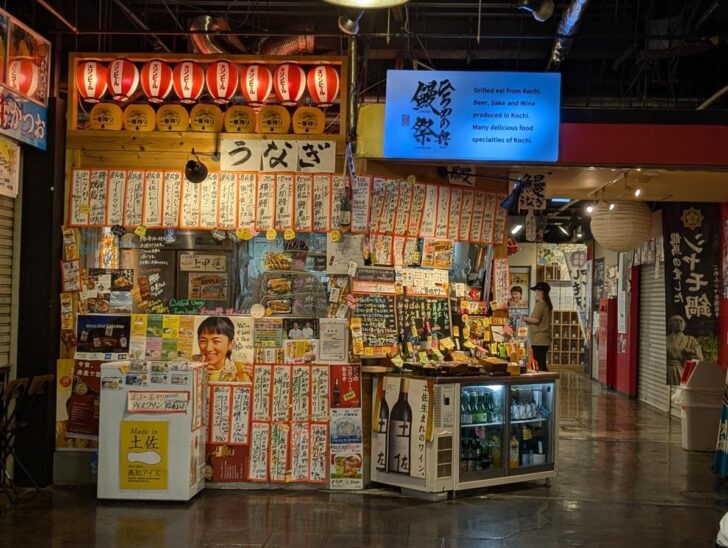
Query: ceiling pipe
(288, 45)
(713, 98)
(205, 40)
(73, 28)
(567, 29)
(142, 25)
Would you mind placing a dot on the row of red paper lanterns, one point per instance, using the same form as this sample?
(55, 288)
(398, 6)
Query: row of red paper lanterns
(189, 78)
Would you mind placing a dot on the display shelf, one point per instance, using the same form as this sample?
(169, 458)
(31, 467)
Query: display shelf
(481, 424)
(524, 421)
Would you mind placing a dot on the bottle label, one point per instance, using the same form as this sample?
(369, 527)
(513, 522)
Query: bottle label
(380, 445)
(399, 447)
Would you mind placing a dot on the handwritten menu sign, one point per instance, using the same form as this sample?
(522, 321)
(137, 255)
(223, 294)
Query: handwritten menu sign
(398, 246)
(243, 345)
(377, 203)
(284, 201)
(476, 223)
(220, 408)
(299, 451)
(318, 447)
(368, 274)
(456, 205)
(360, 200)
(172, 199)
(152, 210)
(279, 441)
(259, 444)
(115, 194)
(265, 201)
(501, 220)
(466, 214)
(379, 327)
(190, 205)
(403, 209)
(240, 415)
(172, 401)
(80, 197)
(319, 392)
(134, 200)
(489, 218)
(425, 282)
(97, 199)
(246, 197)
(423, 311)
(419, 194)
(208, 201)
(443, 211)
(338, 191)
(281, 392)
(304, 203)
(301, 392)
(321, 203)
(389, 207)
(262, 378)
(429, 214)
(228, 201)
(381, 247)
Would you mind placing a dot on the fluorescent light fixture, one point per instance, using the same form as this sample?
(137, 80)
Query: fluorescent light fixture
(589, 209)
(563, 230)
(561, 200)
(516, 229)
(637, 192)
(367, 4)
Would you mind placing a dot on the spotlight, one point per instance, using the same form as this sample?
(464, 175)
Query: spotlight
(512, 199)
(516, 229)
(611, 207)
(541, 10)
(589, 208)
(349, 26)
(195, 170)
(563, 230)
(367, 4)
(637, 192)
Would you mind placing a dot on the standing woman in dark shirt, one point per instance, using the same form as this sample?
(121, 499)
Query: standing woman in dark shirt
(539, 324)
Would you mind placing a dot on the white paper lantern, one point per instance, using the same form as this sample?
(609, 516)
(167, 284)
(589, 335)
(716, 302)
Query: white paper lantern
(622, 228)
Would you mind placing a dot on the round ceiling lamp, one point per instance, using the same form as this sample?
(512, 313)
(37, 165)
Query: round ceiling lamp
(367, 4)
(622, 227)
(541, 10)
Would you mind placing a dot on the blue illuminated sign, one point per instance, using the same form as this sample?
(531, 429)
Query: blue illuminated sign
(22, 119)
(479, 116)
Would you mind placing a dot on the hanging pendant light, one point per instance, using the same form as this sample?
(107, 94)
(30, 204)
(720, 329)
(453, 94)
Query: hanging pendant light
(367, 4)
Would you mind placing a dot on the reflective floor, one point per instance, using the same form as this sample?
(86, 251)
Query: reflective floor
(623, 480)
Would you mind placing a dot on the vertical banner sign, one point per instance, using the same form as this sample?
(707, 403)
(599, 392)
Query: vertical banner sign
(692, 278)
(491, 116)
(580, 272)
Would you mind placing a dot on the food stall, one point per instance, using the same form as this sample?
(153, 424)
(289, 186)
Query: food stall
(247, 240)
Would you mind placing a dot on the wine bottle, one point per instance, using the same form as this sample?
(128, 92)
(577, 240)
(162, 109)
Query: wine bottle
(465, 416)
(337, 394)
(400, 432)
(380, 436)
(345, 210)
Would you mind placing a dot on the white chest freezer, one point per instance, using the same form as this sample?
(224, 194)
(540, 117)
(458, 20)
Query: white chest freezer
(151, 430)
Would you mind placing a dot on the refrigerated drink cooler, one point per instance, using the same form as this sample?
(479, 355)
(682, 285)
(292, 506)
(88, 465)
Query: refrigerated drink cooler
(486, 431)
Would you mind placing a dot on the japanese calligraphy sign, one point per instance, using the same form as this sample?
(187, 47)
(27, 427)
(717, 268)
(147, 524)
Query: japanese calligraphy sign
(692, 255)
(533, 196)
(143, 455)
(495, 116)
(580, 271)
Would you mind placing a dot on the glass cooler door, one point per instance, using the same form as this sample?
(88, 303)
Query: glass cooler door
(482, 430)
(530, 428)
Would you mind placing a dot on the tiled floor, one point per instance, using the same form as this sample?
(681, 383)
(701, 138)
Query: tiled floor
(623, 481)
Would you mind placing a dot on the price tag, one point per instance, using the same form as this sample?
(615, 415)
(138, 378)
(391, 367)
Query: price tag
(468, 344)
(244, 233)
(422, 356)
(352, 269)
(413, 328)
(289, 234)
(141, 231)
(455, 330)
(335, 235)
(271, 234)
(447, 343)
(397, 361)
(438, 355)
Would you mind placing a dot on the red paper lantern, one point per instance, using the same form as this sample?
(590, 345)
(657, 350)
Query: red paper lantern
(123, 79)
(323, 85)
(188, 79)
(289, 80)
(156, 80)
(256, 82)
(222, 81)
(91, 80)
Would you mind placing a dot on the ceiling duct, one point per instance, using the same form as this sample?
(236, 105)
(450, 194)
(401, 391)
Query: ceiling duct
(567, 29)
(288, 45)
(212, 43)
